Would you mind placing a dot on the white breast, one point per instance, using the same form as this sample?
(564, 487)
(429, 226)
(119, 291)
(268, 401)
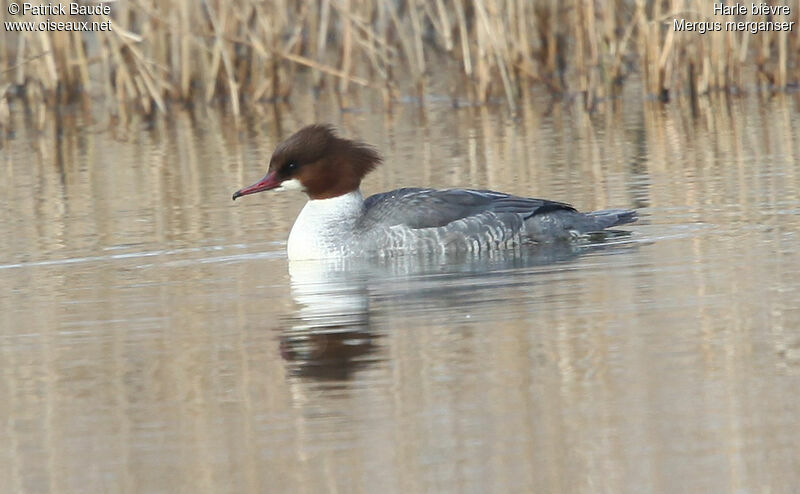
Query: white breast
(324, 227)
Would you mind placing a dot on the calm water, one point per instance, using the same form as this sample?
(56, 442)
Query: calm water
(154, 337)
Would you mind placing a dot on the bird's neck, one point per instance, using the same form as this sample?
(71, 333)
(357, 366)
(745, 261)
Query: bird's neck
(324, 225)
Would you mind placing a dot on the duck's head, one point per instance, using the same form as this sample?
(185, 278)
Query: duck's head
(318, 162)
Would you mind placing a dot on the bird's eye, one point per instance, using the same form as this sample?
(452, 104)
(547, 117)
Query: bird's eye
(292, 166)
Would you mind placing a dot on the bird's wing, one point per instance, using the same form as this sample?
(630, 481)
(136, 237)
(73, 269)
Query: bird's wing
(431, 208)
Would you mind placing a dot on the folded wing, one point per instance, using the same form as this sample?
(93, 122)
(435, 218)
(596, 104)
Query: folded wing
(419, 208)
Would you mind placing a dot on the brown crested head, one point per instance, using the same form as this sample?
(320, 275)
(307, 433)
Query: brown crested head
(319, 162)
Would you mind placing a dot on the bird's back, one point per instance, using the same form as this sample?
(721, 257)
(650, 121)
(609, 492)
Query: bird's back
(453, 219)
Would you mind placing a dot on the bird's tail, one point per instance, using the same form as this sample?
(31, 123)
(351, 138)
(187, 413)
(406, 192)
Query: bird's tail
(569, 225)
(600, 220)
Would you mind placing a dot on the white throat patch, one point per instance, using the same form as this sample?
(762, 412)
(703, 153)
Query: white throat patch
(291, 184)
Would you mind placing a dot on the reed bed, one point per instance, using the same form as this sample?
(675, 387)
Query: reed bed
(242, 52)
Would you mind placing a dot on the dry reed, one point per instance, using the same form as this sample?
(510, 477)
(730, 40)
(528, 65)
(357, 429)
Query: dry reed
(245, 51)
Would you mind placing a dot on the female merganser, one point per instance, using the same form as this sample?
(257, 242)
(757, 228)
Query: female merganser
(337, 221)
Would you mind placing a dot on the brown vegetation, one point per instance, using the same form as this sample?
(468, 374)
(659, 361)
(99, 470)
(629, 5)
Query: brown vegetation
(245, 51)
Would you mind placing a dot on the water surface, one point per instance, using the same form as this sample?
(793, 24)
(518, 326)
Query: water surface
(154, 337)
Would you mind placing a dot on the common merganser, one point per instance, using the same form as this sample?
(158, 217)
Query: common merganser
(338, 222)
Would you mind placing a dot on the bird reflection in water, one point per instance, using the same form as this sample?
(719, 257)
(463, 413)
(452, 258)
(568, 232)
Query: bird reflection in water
(330, 335)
